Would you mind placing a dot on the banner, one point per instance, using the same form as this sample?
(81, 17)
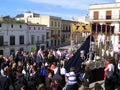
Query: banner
(76, 60)
(81, 27)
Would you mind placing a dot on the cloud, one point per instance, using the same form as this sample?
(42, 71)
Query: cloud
(71, 4)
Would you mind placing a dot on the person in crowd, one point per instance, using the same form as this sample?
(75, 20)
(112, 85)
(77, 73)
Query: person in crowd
(41, 87)
(43, 73)
(57, 75)
(63, 72)
(87, 74)
(31, 83)
(20, 79)
(72, 80)
(36, 75)
(23, 87)
(106, 64)
(109, 81)
(98, 86)
(48, 80)
(50, 57)
(57, 84)
(25, 72)
(118, 66)
(85, 85)
(4, 80)
(40, 57)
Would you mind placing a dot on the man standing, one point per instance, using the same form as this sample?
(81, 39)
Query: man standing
(109, 80)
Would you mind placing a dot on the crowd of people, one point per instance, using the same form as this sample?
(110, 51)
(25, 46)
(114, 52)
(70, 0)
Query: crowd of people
(112, 73)
(36, 70)
(41, 70)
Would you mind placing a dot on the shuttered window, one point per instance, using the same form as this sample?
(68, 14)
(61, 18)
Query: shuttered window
(108, 14)
(96, 15)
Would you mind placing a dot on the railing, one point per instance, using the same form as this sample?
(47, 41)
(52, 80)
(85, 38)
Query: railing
(113, 17)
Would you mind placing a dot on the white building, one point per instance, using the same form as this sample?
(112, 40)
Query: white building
(53, 23)
(14, 36)
(107, 13)
(84, 19)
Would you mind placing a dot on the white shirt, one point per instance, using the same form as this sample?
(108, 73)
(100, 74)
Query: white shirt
(59, 53)
(110, 70)
(119, 65)
(55, 70)
(62, 71)
(111, 67)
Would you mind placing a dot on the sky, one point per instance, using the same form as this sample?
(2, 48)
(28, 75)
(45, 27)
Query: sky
(65, 9)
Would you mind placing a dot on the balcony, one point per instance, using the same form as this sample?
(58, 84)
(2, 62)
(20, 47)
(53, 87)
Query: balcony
(55, 36)
(105, 18)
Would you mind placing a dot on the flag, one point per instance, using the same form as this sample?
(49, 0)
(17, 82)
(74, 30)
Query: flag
(77, 27)
(86, 28)
(76, 60)
(81, 27)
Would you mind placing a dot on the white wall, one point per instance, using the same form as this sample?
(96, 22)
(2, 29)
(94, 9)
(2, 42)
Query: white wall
(16, 31)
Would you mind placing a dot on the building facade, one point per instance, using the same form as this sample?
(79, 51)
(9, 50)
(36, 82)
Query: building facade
(59, 30)
(108, 14)
(14, 36)
(53, 23)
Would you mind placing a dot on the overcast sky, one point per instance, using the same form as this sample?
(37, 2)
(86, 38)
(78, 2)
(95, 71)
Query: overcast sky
(61, 8)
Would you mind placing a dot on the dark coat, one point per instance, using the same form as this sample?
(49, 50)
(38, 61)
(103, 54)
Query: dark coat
(4, 83)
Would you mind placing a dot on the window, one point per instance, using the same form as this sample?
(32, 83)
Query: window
(51, 42)
(108, 14)
(21, 40)
(96, 15)
(69, 28)
(58, 31)
(58, 24)
(1, 40)
(51, 23)
(66, 28)
(20, 26)
(32, 39)
(38, 28)
(38, 39)
(55, 24)
(43, 38)
(12, 40)
(42, 28)
(1, 52)
(47, 35)
(11, 25)
(0, 25)
(52, 32)
(29, 28)
(34, 28)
